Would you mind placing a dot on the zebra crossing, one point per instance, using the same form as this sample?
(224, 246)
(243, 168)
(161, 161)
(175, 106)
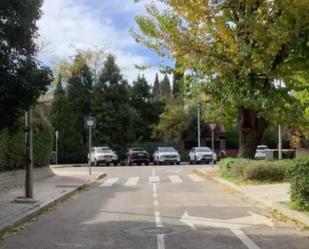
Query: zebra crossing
(134, 181)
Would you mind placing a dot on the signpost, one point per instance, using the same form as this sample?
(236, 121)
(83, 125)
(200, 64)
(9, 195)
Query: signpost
(199, 127)
(90, 123)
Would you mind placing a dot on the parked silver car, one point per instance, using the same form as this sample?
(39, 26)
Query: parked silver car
(166, 155)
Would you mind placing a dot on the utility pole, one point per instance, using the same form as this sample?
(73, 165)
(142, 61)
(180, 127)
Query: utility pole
(90, 146)
(29, 155)
(279, 143)
(199, 127)
(57, 135)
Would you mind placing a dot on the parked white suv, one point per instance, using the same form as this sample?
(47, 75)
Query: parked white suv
(103, 155)
(260, 153)
(166, 155)
(202, 154)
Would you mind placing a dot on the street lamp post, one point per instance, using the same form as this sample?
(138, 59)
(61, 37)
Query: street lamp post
(279, 143)
(29, 155)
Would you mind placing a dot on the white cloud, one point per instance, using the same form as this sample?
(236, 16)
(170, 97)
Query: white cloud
(67, 25)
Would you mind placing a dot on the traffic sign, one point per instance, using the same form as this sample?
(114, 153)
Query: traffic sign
(90, 122)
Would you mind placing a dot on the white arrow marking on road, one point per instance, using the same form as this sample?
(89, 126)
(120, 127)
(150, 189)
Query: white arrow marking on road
(233, 224)
(238, 223)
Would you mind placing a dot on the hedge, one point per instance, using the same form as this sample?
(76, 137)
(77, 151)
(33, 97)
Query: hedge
(299, 179)
(262, 171)
(12, 144)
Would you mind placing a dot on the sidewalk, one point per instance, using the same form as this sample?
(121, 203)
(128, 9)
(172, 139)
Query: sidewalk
(270, 195)
(65, 182)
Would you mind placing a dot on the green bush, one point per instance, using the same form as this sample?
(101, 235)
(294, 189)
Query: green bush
(266, 171)
(299, 178)
(263, 171)
(12, 144)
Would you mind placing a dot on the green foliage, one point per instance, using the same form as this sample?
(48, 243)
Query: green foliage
(23, 80)
(12, 145)
(165, 87)
(147, 111)
(299, 178)
(110, 106)
(256, 171)
(173, 121)
(239, 51)
(156, 88)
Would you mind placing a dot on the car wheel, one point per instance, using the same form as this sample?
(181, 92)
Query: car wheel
(178, 163)
(116, 164)
(107, 164)
(147, 163)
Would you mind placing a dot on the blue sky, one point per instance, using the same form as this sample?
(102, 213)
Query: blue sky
(70, 24)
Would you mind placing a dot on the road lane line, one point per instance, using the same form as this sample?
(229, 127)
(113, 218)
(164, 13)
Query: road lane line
(154, 179)
(155, 203)
(109, 182)
(132, 181)
(155, 195)
(175, 179)
(160, 241)
(158, 219)
(245, 239)
(195, 178)
(154, 187)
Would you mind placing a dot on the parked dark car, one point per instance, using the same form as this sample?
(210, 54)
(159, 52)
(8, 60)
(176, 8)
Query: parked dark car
(137, 156)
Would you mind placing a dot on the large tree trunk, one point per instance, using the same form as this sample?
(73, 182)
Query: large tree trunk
(251, 129)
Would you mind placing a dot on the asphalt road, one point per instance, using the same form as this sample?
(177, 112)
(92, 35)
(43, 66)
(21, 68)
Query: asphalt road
(156, 208)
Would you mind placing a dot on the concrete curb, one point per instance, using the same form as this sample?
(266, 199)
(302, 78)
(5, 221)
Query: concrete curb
(44, 206)
(275, 206)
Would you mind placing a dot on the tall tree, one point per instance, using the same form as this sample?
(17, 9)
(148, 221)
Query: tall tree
(239, 49)
(165, 87)
(59, 117)
(22, 79)
(147, 109)
(111, 108)
(178, 78)
(156, 87)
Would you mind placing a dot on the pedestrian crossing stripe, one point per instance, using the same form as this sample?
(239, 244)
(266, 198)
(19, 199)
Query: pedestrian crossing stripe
(133, 181)
(175, 179)
(109, 182)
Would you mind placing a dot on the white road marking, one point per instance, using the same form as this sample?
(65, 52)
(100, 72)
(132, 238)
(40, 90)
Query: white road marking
(155, 195)
(154, 187)
(109, 182)
(175, 179)
(155, 203)
(154, 179)
(160, 241)
(158, 219)
(132, 181)
(235, 225)
(245, 239)
(196, 178)
(153, 171)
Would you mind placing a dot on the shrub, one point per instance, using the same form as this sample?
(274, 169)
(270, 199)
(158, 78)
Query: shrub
(12, 144)
(299, 178)
(225, 166)
(263, 171)
(266, 171)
